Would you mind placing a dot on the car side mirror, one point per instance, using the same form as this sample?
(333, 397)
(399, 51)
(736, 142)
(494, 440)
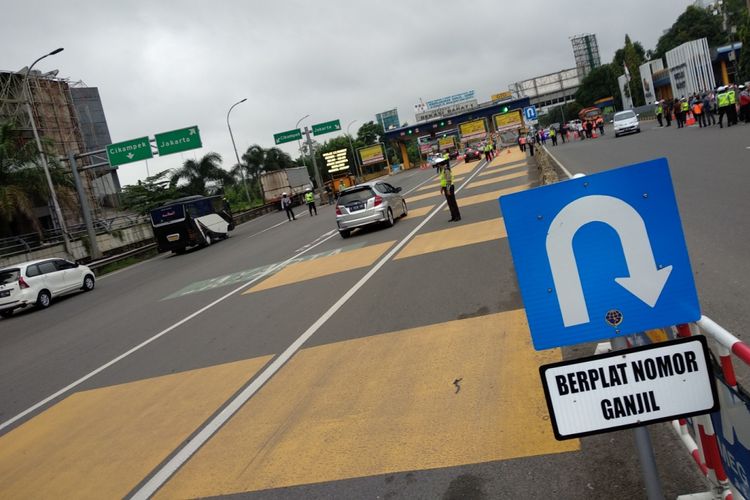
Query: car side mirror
(637, 115)
(398, 189)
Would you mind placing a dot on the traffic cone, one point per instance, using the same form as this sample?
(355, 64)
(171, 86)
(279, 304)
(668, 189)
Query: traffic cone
(690, 120)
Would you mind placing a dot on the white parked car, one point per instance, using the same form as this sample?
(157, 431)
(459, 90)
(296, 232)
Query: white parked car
(37, 282)
(626, 122)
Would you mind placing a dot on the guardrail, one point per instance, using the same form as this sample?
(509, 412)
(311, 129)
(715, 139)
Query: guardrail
(98, 264)
(699, 435)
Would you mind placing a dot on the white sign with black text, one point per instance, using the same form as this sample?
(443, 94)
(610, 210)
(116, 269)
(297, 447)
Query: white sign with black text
(628, 388)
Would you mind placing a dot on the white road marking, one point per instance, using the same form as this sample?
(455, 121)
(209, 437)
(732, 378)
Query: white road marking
(559, 164)
(302, 214)
(183, 455)
(143, 344)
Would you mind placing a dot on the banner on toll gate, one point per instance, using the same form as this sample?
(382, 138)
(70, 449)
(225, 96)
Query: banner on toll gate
(473, 130)
(629, 388)
(445, 143)
(510, 120)
(372, 154)
(732, 426)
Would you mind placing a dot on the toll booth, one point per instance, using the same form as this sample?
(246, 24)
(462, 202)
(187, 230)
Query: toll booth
(427, 134)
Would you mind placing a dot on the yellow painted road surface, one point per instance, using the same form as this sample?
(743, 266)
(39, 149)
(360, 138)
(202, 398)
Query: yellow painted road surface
(383, 404)
(356, 408)
(101, 443)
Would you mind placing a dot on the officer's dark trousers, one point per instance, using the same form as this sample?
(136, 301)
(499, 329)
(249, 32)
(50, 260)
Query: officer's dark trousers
(722, 112)
(450, 197)
(289, 213)
(311, 207)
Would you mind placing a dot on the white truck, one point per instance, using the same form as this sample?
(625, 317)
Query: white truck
(292, 181)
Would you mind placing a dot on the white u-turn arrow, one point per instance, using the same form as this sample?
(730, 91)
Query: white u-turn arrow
(645, 281)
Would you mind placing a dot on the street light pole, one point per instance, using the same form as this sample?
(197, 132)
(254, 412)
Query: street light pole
(234, 145)
(30, 112)
(354, 153)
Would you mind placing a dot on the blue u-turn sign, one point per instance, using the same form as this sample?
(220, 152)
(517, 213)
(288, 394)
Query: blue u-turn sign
(529, 113)
(601, 256)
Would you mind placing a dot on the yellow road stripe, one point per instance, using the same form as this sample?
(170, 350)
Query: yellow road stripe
(419, 212)
(426, 196)
(101, 443)
(464, 168)
(457, 236)
(485, 197)
(323, 266)
(499, 170)
(384, 404)
(495, 180)
(503, 158)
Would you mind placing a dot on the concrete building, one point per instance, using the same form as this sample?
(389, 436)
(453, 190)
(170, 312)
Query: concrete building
(56, 115)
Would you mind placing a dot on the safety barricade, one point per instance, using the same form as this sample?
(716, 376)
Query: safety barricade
(720, 443)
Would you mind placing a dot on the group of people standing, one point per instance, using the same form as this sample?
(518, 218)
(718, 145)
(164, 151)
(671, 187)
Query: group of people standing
(287, 203)
(707, 108)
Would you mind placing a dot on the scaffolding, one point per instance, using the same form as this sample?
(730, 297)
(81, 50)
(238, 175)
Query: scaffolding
(56, 121)
(586, 53)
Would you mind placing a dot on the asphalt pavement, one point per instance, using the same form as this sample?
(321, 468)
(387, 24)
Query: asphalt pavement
(711, 173)
(287, 362)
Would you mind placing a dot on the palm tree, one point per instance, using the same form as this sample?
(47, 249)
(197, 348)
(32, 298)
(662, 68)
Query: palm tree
(202, 175)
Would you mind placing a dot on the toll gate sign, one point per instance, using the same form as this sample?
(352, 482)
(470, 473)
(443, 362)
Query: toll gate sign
(624, 389)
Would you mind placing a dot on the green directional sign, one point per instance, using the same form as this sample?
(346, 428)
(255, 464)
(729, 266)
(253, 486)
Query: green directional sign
(124, 152)
(326, 127)
(177, 141)
(288, 136)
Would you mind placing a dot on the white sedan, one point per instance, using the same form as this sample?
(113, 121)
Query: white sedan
(37, 282)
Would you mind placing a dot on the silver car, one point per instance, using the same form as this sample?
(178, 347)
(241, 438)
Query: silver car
(368, 203)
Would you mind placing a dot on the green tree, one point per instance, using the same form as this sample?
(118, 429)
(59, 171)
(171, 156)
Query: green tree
(369, 133)
(600, 82)
(150, 193)
(202, 176)
(743, 31)
(631, 55)
(23, 184)
(692, 24)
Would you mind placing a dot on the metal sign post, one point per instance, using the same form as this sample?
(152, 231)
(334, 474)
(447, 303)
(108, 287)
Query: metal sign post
(643, 444)
(318, 179)
(85, 209)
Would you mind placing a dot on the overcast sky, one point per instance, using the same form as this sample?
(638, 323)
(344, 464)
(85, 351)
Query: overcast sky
(166, 65)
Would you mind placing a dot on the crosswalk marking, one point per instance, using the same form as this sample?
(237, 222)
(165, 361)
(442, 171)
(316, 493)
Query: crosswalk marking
(453, 237)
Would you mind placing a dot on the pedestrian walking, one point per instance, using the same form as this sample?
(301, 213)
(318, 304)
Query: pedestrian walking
(744, 103)
(600, 125)
(709, 108)
(564, 132)
(722, 101)
(667, 112)
(697, 109)
(448, 189)
(589, 129)
(553, 135)
(530, 143)
(487, 152)
(286, 205)
(329, 194)
(522, 142)
(310, 199)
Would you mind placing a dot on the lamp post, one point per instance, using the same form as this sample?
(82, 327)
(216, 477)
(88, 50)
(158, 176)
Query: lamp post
(234, 145)
(53, 195)
(354, 153)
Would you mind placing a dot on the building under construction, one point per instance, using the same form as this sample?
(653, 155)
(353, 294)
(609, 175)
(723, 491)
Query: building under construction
(586, 53)
(69, 119)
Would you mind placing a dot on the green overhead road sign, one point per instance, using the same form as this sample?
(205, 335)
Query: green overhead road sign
(124, 152)
(326, 127)
(288, 136)
(177, 141)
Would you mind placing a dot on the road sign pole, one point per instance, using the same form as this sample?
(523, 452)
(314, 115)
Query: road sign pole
(94, 251)
(318, 179)
(643, 444)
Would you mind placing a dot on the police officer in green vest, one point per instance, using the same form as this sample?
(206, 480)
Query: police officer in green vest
(682, 116)
(447, 188)
(722, 101)
(659, 112)
(310, 199)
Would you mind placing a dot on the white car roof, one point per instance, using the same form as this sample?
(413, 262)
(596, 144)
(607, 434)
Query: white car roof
(29, 263)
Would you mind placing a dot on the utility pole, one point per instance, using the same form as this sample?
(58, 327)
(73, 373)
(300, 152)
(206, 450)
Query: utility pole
(310, 148)
(95, 253)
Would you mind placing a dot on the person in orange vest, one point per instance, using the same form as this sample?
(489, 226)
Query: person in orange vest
(600, 124)
(697, 109)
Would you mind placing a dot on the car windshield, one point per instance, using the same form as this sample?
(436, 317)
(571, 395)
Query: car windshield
(624, 115)
(355, 195)
(8, 276)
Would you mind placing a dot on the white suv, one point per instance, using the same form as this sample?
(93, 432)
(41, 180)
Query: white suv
(38, 281)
